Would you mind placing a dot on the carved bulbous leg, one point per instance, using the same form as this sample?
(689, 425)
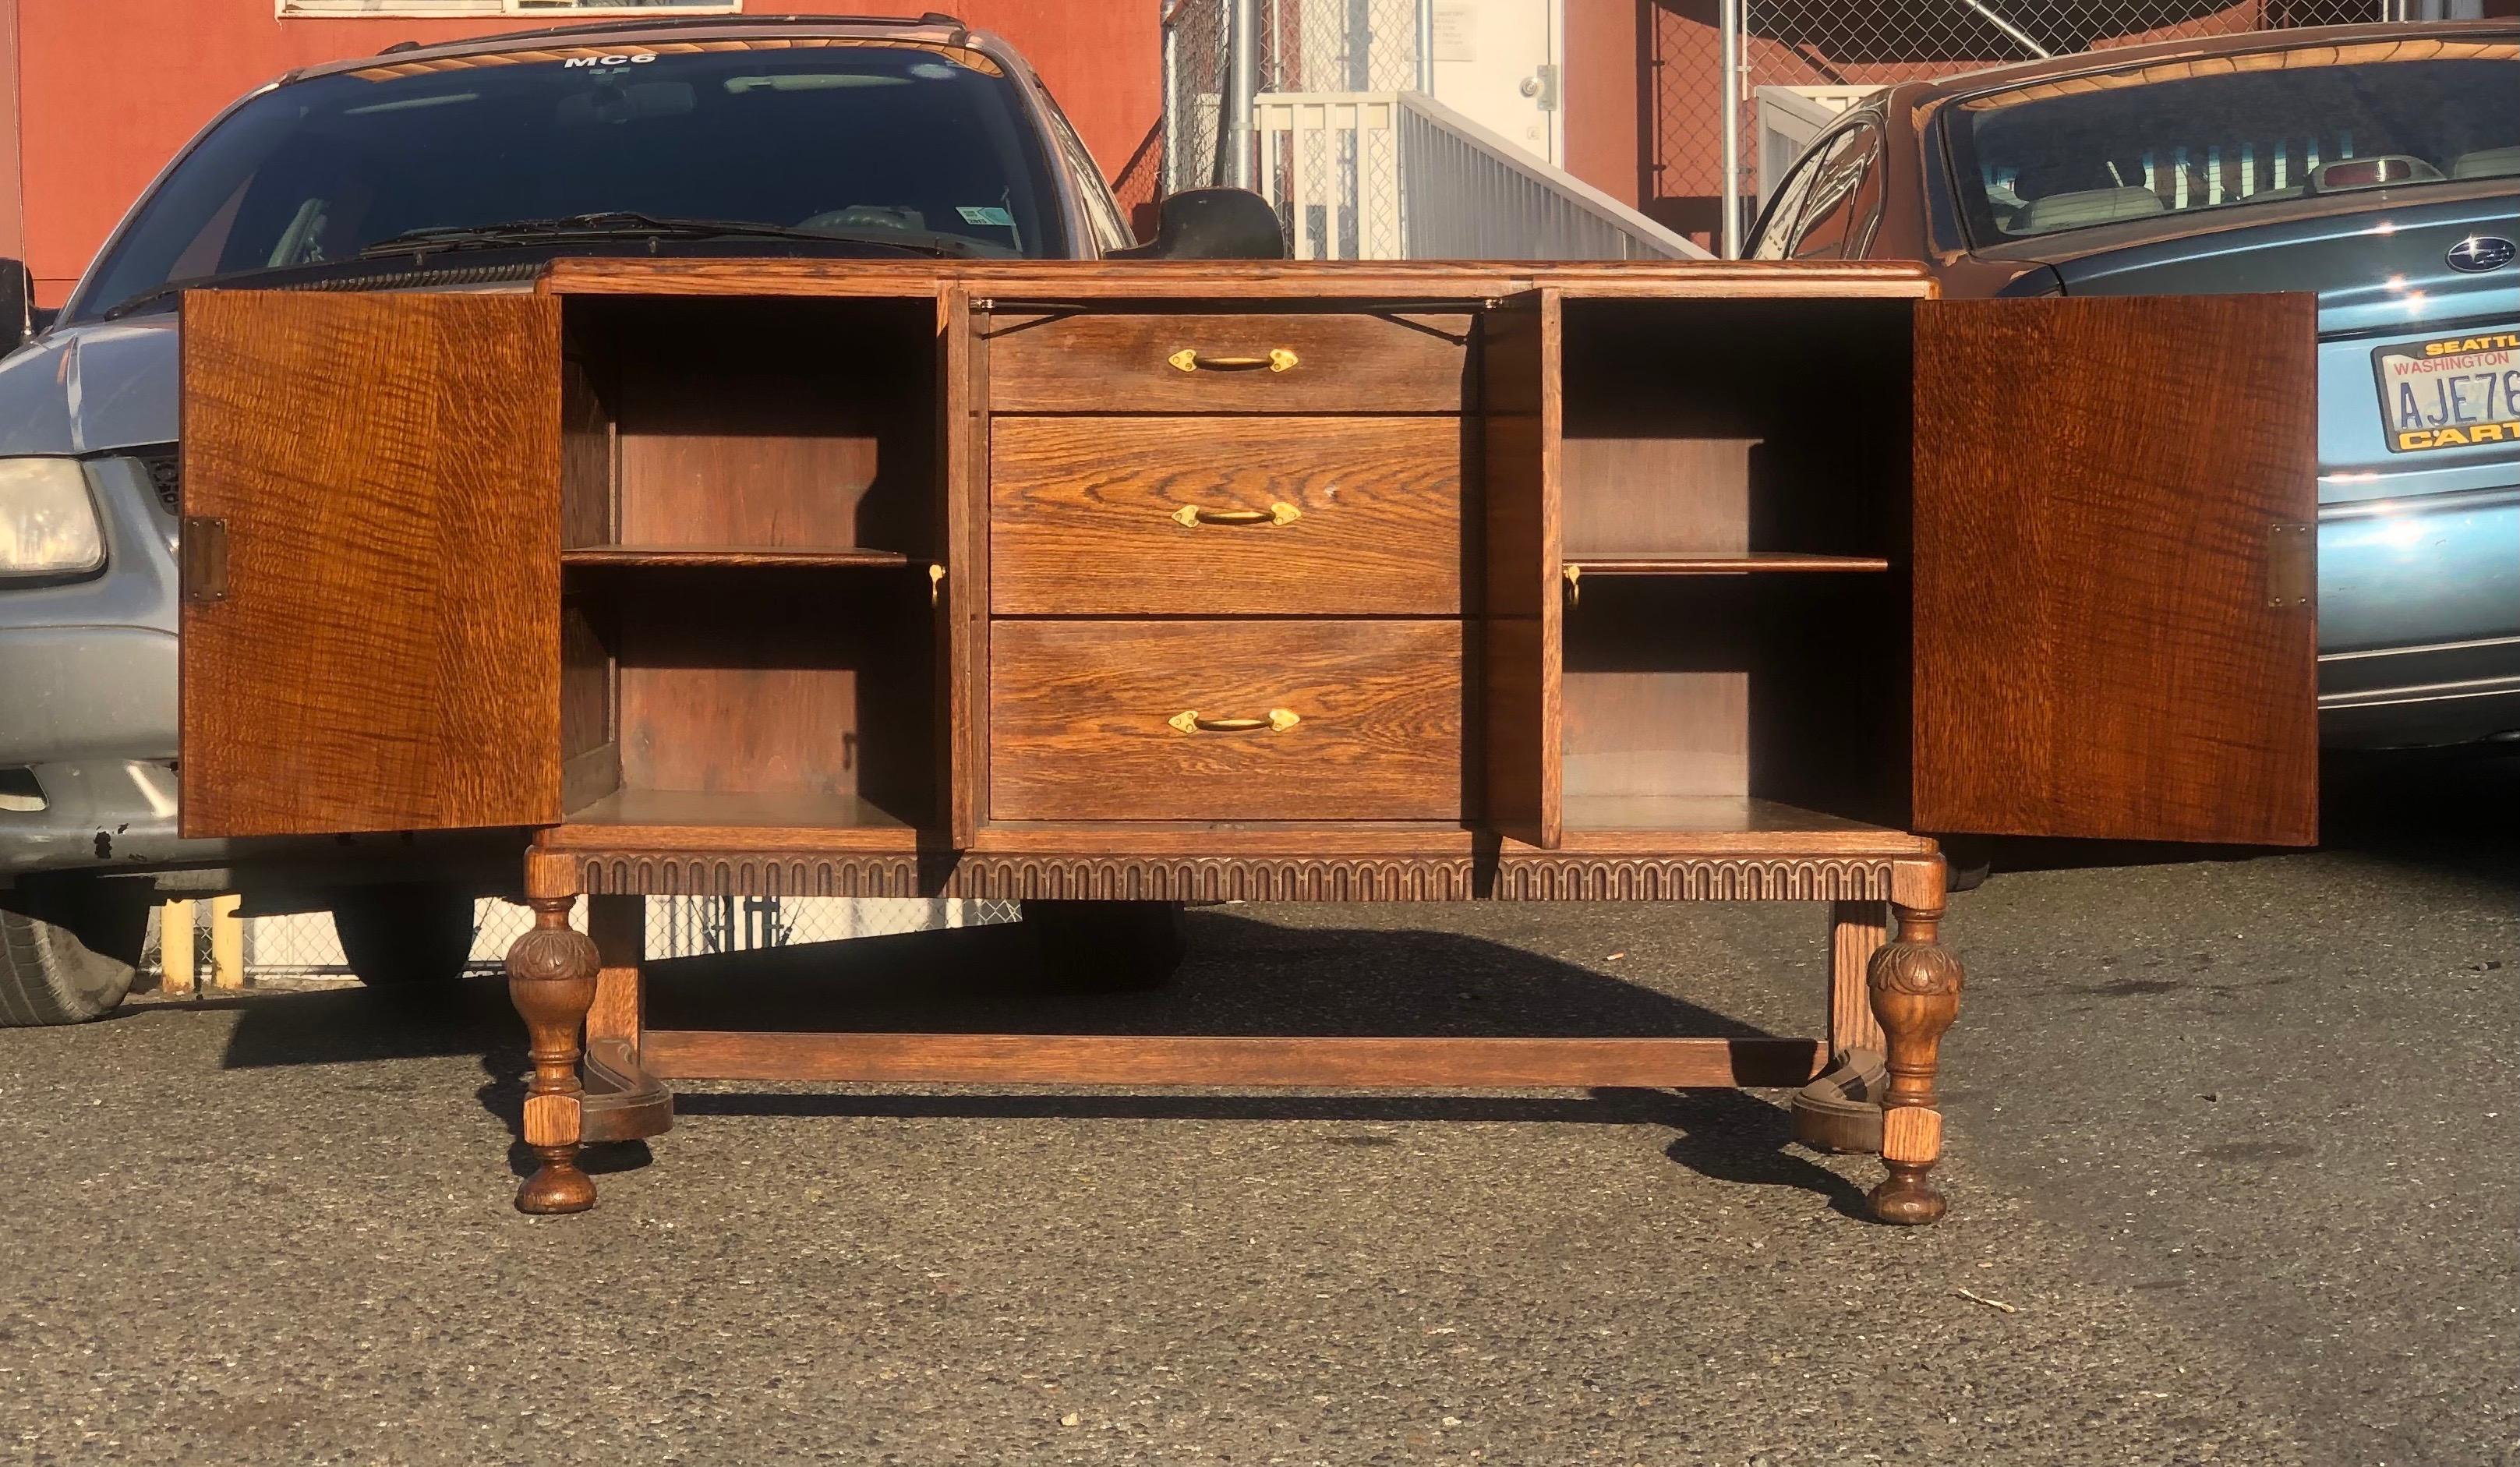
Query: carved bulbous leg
(1916, 988)
(551, 979)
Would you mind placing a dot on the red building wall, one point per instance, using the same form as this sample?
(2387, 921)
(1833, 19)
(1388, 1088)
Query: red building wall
(106, 91)
(1603, 96)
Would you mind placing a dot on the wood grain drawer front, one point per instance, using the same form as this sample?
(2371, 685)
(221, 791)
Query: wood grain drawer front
(1180, 516)
(1167, 362)
(1087, 720)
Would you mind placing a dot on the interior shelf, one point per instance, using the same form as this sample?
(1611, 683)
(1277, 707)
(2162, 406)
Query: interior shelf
(1700, 812)
(1716, 563)
(837, 821)
(710, 555)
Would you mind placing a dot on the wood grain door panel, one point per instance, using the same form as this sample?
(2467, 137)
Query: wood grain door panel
(1124, 362)
(387, 653)
(2097, 487)
(1086, 517)
(1080, 720)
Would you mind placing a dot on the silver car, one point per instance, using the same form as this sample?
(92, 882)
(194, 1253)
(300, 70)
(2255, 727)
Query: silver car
(462, 165)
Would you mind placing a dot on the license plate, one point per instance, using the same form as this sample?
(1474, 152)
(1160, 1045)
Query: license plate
(2449, 392)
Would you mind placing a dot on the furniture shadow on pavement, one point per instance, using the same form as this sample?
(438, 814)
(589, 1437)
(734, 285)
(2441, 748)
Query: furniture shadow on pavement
(1243, 976)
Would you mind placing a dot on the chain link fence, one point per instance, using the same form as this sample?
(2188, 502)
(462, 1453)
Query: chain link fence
(1305, 46)
(1836, 48)
(302, 946)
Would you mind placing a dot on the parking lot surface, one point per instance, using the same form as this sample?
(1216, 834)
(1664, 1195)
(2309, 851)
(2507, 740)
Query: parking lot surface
(2230, 1175)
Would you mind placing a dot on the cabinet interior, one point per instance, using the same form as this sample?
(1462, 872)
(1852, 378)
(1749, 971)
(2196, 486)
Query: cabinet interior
(752, 492)
(1734, 502)
(751, 497)
(704, 425)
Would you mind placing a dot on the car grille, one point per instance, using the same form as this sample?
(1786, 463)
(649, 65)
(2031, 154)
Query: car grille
(166, 476)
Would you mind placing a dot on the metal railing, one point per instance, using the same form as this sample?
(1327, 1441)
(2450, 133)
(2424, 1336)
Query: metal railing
(1398, 175)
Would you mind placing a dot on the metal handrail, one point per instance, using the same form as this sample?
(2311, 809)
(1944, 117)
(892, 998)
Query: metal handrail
(1398, 175)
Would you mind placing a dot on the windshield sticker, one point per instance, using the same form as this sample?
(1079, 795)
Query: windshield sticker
(594, 55)
(989, 214)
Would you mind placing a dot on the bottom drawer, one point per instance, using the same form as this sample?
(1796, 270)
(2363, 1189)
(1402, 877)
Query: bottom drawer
(1225, 719)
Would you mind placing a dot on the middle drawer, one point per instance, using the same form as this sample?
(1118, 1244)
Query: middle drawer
(1184, 516)
(1225, 719)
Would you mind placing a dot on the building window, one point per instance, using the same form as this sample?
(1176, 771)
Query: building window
(563, 8)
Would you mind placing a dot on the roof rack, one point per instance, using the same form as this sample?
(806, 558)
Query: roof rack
(631, 22)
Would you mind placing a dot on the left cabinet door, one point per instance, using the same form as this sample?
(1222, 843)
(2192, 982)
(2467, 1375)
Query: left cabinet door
(371, 601)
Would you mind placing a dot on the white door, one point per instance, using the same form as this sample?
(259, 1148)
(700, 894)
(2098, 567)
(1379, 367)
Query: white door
(1500, 64)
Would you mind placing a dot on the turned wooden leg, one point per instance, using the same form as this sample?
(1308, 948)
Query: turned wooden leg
(551, 979)
(1915, 986)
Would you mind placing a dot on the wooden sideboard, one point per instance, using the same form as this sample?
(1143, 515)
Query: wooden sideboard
(1284, 582)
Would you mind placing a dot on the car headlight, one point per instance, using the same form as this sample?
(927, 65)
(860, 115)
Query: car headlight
(48, 524)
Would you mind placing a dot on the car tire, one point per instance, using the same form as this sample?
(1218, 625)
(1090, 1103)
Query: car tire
(1109, 946)
(1971, 860)
(403, 936)
(69, 949)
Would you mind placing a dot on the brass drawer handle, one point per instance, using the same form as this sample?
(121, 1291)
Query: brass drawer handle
(1278, 721)
(1278, 514)
(1190, 359)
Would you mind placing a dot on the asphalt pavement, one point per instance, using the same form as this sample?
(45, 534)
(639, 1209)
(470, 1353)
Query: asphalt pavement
(2232, 1179)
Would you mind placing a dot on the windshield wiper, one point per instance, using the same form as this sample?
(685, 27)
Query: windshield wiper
(619, 224)
(156, 293)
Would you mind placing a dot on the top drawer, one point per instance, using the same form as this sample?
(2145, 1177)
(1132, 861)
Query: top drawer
(1169, 362)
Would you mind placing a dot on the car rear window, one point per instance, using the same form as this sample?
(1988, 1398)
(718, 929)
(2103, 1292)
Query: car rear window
(842, 135)
(2231, 131)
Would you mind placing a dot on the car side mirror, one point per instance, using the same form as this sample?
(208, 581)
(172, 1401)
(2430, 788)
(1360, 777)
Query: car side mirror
(1212, 224)
(17, 304)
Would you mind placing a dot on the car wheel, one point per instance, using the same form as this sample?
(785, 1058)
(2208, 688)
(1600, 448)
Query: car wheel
(397, 936)
(68, 950)
(1109, 946)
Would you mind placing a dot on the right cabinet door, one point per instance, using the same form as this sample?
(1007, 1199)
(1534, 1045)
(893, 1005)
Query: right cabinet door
(2116, 632)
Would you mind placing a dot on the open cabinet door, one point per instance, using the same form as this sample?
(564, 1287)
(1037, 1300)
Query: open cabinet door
(1521, 427)
(2115, 630)
(371, 561)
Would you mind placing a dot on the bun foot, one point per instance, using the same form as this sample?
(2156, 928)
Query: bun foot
(557, 1187)
(1905, 1198)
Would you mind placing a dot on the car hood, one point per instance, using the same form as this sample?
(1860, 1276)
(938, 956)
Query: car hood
(91, 387)
(2379, 269)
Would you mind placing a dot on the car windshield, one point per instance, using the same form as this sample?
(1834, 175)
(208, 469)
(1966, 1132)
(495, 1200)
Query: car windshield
(2228, 132)
(851, 137)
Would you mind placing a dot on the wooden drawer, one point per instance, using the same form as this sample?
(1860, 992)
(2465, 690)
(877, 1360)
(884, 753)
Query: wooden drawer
(1082, 720)
(1180, 516)
(1176, 362)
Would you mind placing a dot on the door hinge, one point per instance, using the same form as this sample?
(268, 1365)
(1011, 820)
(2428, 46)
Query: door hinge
(2292, 565)
(201, 559)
